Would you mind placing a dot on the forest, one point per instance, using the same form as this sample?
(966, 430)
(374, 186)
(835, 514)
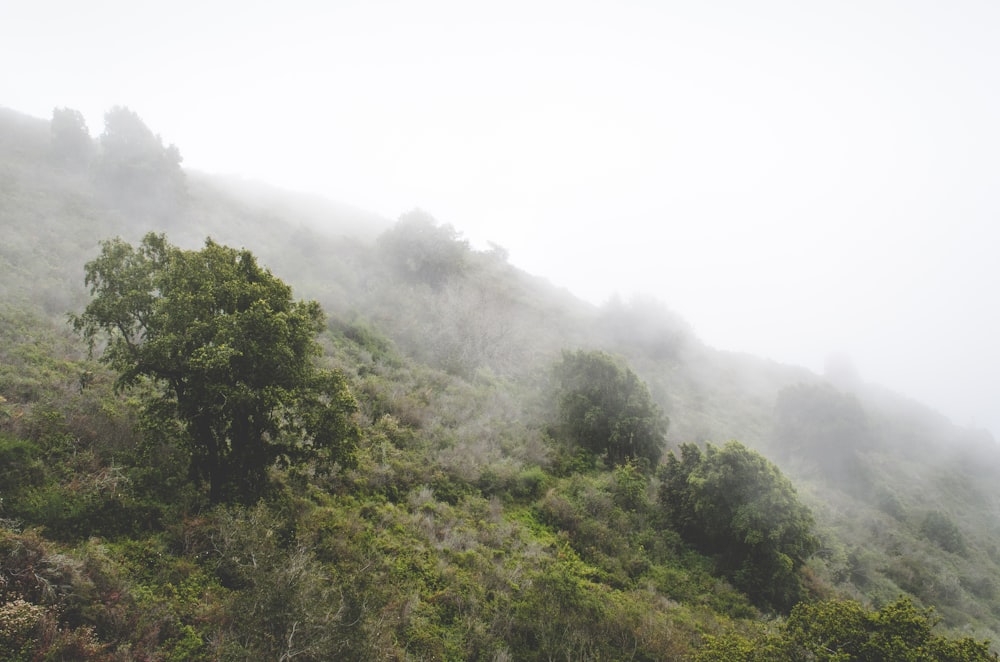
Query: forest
(237, 423)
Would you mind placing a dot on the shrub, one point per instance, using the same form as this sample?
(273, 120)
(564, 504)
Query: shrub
(607, 410)
(733, 504)
(941, 530)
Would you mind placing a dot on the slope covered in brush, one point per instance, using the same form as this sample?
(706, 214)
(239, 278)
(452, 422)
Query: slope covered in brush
(478, 519)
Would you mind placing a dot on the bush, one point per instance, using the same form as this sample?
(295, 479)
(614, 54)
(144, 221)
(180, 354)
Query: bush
(836, 631)
(941, 530)
(607, 410)
(733, 504)
(20, 466)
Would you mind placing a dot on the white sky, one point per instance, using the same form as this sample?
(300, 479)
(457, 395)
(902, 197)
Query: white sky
(793, 177)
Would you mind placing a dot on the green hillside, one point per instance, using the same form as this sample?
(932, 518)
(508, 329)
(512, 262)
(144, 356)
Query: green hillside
(463, 462)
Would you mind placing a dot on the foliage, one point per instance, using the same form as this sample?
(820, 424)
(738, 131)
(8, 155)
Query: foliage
(420, 249)
(20, 465)
(461, 532)
(607, 410)
(939, 528)
(231, 353)
(844, 631)
(71, 142)
(285, 606)
(134, 165)
(735, 505)
(826, 427)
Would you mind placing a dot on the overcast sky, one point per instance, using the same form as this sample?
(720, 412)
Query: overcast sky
(795, 178)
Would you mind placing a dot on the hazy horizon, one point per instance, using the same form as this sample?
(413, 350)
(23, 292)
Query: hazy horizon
(794, 179)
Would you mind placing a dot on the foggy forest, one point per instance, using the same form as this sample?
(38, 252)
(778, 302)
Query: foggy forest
(241, 423)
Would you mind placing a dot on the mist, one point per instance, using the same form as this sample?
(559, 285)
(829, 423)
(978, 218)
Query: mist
(795, 181)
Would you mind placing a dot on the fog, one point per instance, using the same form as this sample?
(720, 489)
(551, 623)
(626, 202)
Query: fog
(795, 179)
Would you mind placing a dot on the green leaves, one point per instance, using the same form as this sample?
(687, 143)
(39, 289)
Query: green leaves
(845, 631)
(734, 504)
(606, 409)
(230, 351)
(899, 631)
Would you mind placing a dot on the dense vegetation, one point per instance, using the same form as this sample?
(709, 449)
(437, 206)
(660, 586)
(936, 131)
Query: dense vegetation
(453, 461)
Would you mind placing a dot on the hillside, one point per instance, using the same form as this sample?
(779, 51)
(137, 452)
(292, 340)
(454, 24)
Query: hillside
(471, 522)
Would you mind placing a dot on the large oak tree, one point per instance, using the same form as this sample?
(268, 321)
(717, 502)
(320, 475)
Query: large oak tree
(231, 356)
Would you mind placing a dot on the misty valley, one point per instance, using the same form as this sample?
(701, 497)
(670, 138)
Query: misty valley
(239, 423)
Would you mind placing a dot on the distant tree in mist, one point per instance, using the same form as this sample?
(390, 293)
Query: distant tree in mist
(135, 165)
(71, 143)
(644, 326)
(606, 409)
(420, 249)
(823, 427)
(840, 371)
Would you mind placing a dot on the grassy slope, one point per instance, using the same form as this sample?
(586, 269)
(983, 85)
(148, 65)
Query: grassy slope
(450, 535)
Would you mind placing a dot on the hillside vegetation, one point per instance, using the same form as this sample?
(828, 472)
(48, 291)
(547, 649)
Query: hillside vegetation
(299, 431)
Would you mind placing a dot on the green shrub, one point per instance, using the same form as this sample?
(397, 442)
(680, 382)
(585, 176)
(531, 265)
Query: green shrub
(735, 505)
(605, 408)
(20, 621)
(941, 530)
(21, 466)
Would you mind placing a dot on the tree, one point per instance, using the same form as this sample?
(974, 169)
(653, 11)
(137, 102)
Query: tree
(825, 428)
(71, 143)
(420, 249)
(231, 356)
(606, 409)
(735, 505)
(128, 142)
(135, 165)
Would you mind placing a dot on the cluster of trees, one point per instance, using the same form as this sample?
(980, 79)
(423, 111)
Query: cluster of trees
(130, 161)
(730, 503)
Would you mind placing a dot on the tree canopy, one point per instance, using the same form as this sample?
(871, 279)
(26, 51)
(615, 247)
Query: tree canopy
(231, 354)
(606, 409)
(735, 505)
